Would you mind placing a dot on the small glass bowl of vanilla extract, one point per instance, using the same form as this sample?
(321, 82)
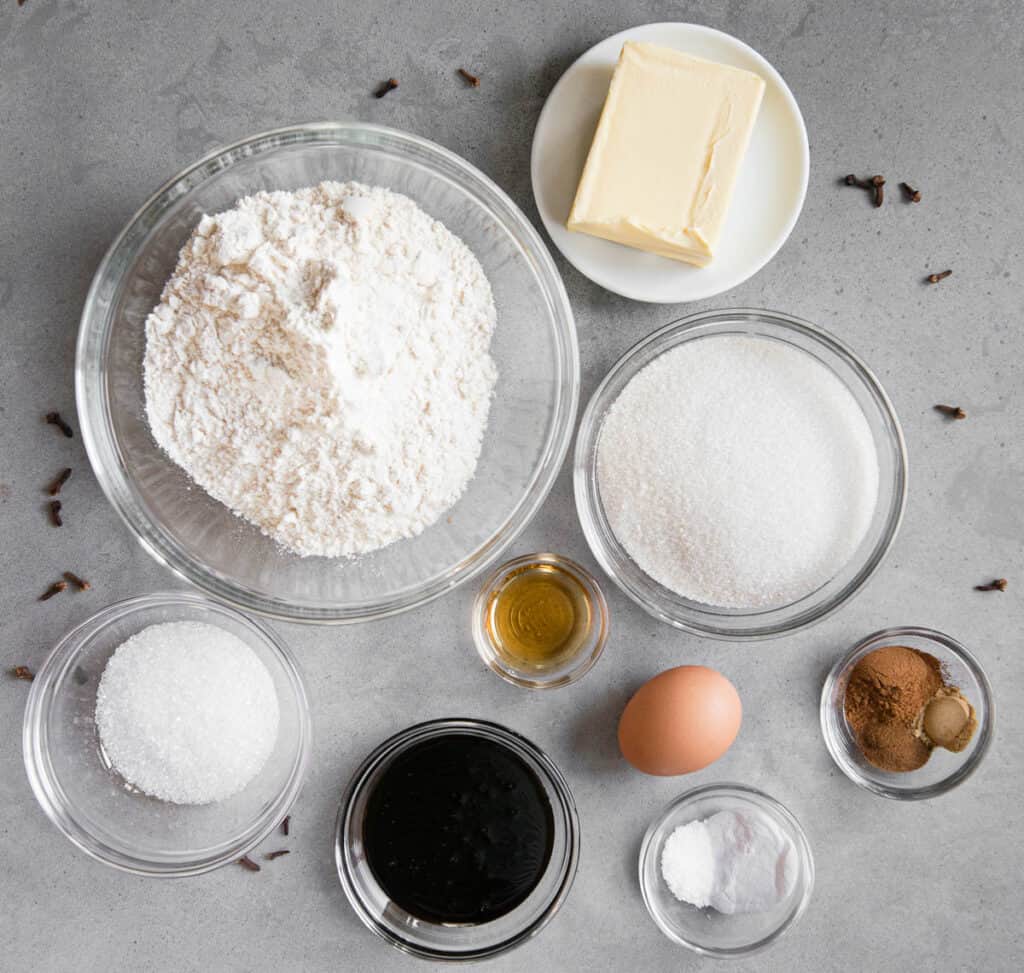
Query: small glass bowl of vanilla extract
(540, 621)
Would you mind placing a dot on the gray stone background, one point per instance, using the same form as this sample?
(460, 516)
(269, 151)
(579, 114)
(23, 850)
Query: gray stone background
(100, 102)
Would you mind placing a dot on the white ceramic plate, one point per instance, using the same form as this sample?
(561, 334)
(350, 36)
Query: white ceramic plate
(769, 192)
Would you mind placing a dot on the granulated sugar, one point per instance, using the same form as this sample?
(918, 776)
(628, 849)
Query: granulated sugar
(187, 712)
(738, 471)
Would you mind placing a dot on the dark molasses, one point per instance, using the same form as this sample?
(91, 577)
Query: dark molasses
(458, 830)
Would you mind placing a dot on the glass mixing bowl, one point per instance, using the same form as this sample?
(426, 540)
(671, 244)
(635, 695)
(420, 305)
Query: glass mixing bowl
(761, 623)
(707, 931)
(944, 770)
(455, 941)
(531, 415)
(94, 807)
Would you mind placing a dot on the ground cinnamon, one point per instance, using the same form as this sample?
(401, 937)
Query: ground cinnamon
(886, 693)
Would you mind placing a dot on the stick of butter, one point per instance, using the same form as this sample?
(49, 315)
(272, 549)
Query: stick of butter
(666, 153)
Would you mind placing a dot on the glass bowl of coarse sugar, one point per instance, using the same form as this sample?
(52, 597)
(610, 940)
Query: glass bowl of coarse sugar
(353, 390)
(725, 870)
(740, 474)
(167, 735)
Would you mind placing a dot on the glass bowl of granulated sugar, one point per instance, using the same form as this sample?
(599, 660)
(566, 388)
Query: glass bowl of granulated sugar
(350, 395)
(168, 735)
(740, 474)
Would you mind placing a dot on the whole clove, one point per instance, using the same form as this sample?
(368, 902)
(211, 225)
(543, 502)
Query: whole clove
(62, 477)
(912, 195)
(55, 517)
(285, 823)
(874, 185)
(23, 672)
(387, 86)
(471, 79)
(942, 275)
(953, 411)
(246, 862)
(80, 583)
(270, 856)
(998, 585)
(54, 419)
(878, 186)
(55, 589)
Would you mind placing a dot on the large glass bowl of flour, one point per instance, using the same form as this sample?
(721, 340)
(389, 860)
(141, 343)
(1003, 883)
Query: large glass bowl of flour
(531, 413)
(694, 429)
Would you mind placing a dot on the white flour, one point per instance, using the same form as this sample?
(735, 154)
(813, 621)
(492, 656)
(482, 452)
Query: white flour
(319, 363)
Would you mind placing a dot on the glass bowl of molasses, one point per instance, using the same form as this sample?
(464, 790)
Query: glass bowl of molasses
(457, 839)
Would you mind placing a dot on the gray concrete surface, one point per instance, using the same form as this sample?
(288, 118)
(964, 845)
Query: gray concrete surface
(100, 102)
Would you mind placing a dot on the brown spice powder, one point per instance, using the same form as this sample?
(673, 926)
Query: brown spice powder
(887, 690)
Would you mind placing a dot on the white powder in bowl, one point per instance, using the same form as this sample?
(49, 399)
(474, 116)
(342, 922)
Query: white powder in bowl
(187, 712)
(319, 362)
(734, 862)
(738, 471)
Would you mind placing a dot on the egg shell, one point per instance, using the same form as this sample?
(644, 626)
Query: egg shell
(680, 721)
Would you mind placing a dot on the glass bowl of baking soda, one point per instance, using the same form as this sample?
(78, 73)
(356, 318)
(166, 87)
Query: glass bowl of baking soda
(725, 870)
(244, 558)
(195, 703)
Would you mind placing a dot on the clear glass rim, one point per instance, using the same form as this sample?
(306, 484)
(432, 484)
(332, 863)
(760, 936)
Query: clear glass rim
(762, 624)
(427, 730)
(51, 796)
(827, 712)
(757, 797)
(91, 375)
(582, 662)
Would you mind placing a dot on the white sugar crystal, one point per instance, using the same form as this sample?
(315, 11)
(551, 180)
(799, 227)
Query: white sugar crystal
(738, 471)
(187, 712)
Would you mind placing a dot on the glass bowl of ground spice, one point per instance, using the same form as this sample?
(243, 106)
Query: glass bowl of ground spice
(168, 735)
(907, 713)
(740, 474)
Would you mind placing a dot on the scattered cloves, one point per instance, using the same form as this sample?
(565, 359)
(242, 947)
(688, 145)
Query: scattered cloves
(387, 86)
(246, 862)
(55, 517)
(953, 411)
(878, 185)
(270, 856)
(874, 185)
(55, 589)
(471, 79)
(285, 823)
(80, 583)
(912, 195)
(54, 488)
(54, 419)
(942, 275)
(998, 585)
(23, 672)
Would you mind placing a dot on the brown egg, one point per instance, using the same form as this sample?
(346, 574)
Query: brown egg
(680, 721)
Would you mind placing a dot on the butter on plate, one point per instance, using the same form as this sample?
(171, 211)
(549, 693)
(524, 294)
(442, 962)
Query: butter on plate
(666, 153)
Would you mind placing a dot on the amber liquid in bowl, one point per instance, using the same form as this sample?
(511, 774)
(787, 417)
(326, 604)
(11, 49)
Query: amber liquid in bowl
(539, 616)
